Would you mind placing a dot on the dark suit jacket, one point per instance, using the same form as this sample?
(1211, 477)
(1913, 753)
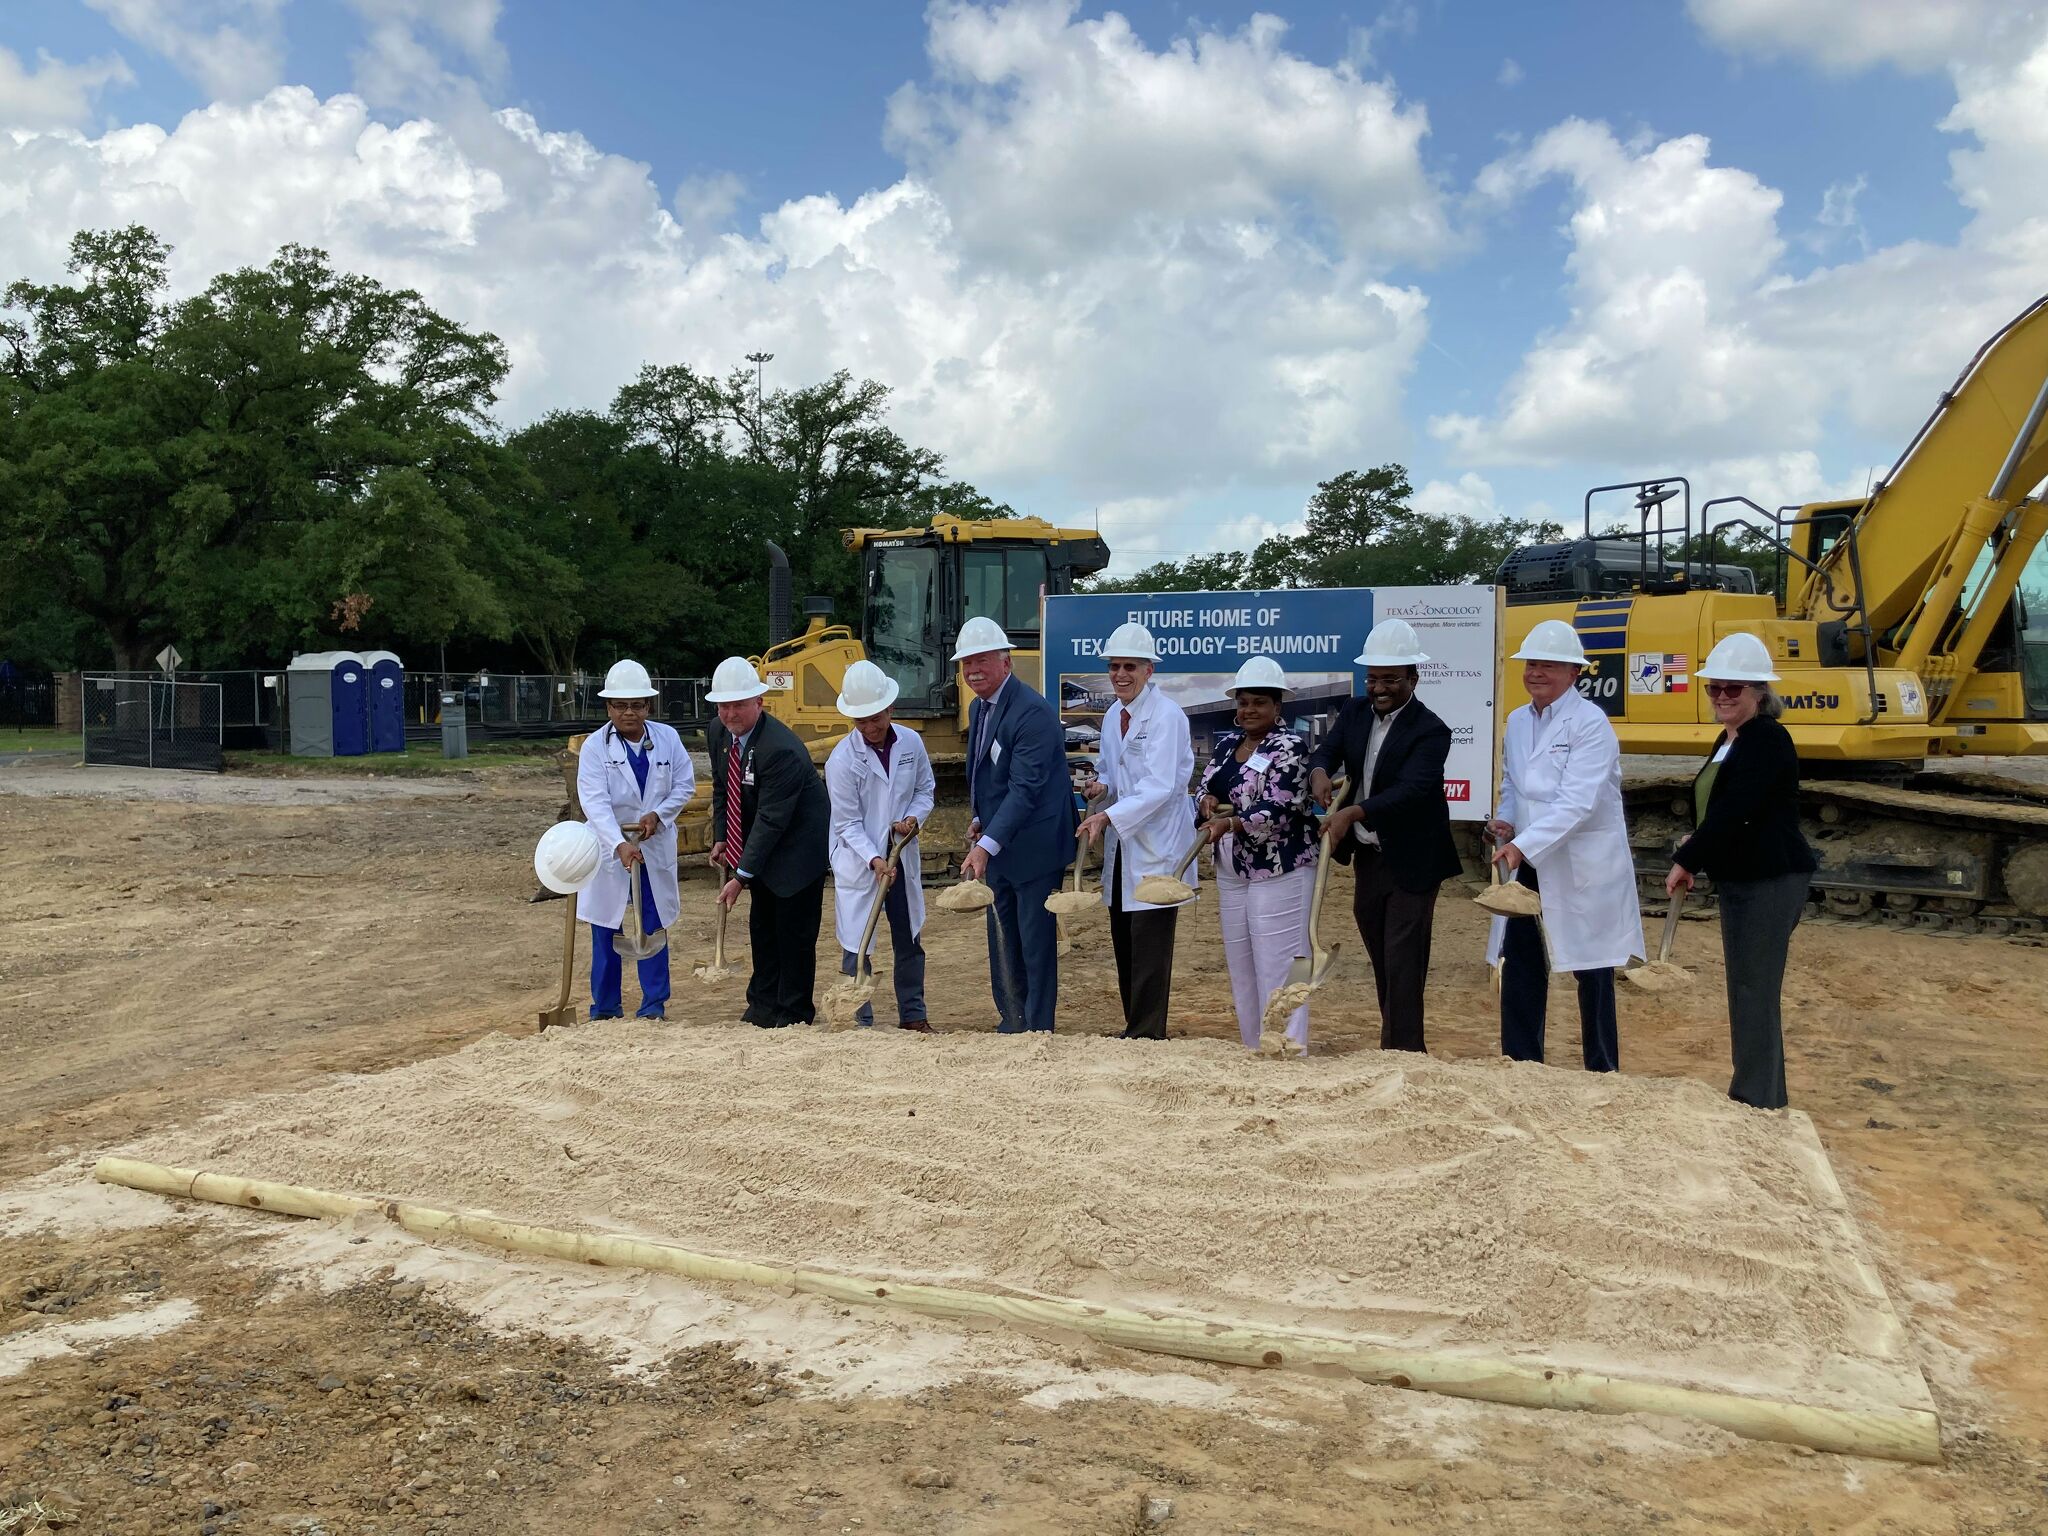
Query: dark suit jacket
(1751, 829)
(1022, 794)
(1405, 803)
(785, 815)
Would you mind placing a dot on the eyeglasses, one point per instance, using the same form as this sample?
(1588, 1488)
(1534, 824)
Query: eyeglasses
(627, 706)
(1726, 690)
(1125, 666)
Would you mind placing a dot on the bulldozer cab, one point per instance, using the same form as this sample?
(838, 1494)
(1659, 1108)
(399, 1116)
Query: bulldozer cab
(922, 584)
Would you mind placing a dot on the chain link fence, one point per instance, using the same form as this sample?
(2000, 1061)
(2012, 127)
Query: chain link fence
(540, 703)
(151, 722)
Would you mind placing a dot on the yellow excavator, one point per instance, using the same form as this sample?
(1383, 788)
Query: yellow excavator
(1908, 624)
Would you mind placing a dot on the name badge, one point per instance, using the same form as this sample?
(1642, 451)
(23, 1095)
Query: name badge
(748, 777)
(1258, 762)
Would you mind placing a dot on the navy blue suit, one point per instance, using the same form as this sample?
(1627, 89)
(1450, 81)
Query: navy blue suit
(1017, 773)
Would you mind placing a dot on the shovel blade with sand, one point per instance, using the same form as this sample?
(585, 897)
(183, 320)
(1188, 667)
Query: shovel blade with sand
(1308, 971)
(965, 896)
(632, 941)
(1170, 890)
(1073, 902)
(841, 1002)
(1509, 898)
(717, 970)
(1661, 975)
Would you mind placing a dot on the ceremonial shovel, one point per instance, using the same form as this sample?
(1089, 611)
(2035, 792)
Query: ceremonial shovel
(1660, 974)
(1168, 890)
(717, 970)
(562, 1014)
(844, 997)
(1308, 971)
(632, 941)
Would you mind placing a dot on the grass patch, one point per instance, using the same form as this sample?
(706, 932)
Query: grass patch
(416, 762)
(38, 739)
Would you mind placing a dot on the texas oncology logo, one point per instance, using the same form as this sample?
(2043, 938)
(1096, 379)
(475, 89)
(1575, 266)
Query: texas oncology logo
(1439, 615)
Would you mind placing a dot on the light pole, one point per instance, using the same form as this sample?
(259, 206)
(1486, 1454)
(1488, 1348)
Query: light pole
(757, 359)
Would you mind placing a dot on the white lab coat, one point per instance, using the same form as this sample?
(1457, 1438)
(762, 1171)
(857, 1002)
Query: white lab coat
(1147, 774)
(1561, 790)
(865, 805)
(610, 796)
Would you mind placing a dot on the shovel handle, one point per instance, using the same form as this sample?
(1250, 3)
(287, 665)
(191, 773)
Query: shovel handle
(1340, 791)
(1194, 848)
(867, 935)
(1670, 925)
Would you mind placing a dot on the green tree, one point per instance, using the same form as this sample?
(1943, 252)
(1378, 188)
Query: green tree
(1360, 531)
(291, 455)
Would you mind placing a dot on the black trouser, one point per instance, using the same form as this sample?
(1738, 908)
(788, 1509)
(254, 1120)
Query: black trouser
(1143, 941)
(1757, 919)
(1395, 925)
(784, 933)
(1525, 997)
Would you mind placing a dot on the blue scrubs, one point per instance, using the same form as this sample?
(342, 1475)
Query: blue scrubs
(605, 1001)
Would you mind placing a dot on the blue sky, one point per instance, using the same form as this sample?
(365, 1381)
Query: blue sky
(1166, 265)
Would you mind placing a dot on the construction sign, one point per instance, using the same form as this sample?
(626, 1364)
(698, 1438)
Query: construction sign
(1315, 636)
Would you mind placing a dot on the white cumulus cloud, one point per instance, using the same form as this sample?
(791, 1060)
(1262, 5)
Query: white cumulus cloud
(1689, 342)
(55, 93)
(233, 49)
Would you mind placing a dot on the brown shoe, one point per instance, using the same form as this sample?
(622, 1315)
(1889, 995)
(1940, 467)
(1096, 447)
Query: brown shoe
(919, 1025)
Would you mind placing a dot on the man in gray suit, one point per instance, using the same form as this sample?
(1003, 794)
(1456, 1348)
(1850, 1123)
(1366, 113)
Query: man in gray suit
(771, 825)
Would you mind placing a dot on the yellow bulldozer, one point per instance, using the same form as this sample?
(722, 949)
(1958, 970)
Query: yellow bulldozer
(919, 585)
(1908, 624)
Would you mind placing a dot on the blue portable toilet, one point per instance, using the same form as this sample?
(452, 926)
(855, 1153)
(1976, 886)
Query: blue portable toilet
(328, 694)
(387, 701)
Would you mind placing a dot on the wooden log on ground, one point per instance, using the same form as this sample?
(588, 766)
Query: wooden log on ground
(1896, 1434)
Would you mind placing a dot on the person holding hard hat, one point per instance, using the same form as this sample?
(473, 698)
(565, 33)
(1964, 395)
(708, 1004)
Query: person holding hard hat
(1148, 816)
(1396, 831)
(1255, 806)
(634, 772)
(770, 826)
(1560, 814)
(1746, 836)
(880, 783)
(1022, 837)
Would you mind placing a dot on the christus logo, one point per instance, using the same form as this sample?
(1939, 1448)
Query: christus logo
(1812, 700)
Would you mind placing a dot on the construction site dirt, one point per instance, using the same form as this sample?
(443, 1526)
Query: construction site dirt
(172, 944)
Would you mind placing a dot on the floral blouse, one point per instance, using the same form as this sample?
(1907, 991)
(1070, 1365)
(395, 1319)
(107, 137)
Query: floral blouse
(1273, 802)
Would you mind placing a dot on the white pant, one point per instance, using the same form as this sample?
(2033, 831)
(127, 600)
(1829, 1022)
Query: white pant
(1265, 925)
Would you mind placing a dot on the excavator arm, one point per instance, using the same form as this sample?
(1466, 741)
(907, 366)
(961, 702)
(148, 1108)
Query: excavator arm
(1929, 572)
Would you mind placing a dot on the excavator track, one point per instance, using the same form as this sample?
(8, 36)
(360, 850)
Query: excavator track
(1951, 853)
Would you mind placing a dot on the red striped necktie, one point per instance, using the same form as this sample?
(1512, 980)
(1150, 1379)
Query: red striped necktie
(732, 807)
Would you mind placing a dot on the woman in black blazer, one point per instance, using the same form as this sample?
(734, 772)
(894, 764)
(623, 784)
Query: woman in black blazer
(1746, 815)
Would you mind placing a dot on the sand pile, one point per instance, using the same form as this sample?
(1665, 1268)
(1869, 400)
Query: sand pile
(1604, 1221)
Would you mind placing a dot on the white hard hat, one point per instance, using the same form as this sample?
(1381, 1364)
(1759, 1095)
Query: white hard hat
(1391, 643)
(978, 635)
(627, 680)
(1552, 640)
(866, 690)
(735, 679)
(567, 857)
(1261, 672)
(1739, 658)
(1131, 642)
